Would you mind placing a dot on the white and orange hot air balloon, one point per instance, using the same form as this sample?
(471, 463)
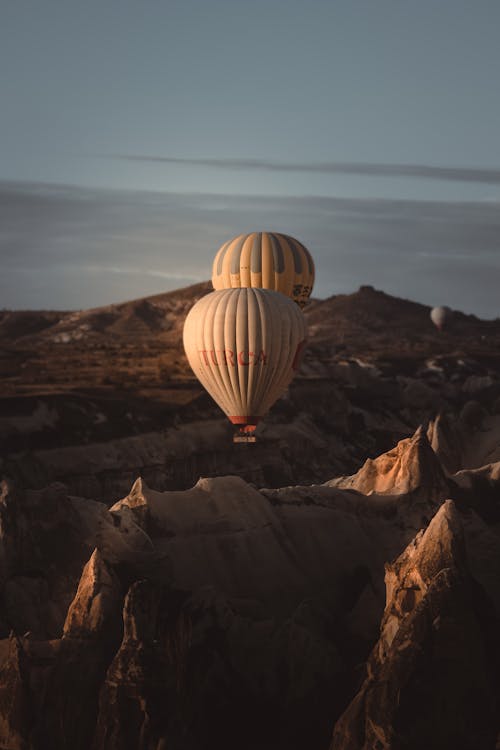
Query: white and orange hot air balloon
(244, 346)
(265, 260)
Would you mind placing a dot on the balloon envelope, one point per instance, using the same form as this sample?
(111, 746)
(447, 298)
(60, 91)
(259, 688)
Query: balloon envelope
(440, 316)
(243, 346)
(265, 260)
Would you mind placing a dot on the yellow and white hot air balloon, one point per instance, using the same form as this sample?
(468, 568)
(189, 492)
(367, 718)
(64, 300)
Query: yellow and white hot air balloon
(244, 346)
(265, 260)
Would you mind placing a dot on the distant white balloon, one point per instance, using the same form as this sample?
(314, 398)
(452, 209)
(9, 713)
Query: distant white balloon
(441, 316)
(244, 346)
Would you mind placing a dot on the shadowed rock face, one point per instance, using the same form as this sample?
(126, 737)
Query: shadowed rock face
(42, 549)
(138, 698)
(460, 447)
(193, 670)
(446, 442)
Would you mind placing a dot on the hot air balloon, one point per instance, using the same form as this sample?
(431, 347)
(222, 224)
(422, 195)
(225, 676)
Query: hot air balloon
(440, 316)
(266, 260)
(244, 345)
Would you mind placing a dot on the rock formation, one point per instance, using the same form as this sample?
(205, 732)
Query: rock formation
(432, 677)
(343, 575)
(203, 611)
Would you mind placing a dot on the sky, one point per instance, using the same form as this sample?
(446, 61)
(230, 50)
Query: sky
(137, 137)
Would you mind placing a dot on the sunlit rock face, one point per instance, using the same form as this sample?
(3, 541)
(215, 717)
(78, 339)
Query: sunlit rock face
(93, 612)
(409, 479)
(432, 677)
(410, 468)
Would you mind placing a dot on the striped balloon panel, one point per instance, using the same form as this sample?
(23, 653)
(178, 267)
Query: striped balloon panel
(242, 345)
(265, 260)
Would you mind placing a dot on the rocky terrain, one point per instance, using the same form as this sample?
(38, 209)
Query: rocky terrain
(337, 585)
(95, 398)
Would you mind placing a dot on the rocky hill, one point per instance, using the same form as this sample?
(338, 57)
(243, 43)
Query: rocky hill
(337, 585)
(94, 398)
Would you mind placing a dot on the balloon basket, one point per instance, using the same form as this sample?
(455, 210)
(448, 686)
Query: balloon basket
(243, 436)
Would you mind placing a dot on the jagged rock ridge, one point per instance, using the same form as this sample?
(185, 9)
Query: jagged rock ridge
(182, 618)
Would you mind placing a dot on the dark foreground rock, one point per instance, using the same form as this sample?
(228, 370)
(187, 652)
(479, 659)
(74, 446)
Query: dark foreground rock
(225, 615)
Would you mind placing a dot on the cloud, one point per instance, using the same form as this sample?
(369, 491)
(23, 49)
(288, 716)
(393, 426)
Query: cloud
(155, 272)
(72, 248)
(429, 172)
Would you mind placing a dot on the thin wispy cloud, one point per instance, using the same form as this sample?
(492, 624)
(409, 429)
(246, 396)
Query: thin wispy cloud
(67, 248)
(130, 271)
(480, 175)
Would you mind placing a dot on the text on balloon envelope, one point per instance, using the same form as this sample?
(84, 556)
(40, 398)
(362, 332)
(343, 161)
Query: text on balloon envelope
(228, 357)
